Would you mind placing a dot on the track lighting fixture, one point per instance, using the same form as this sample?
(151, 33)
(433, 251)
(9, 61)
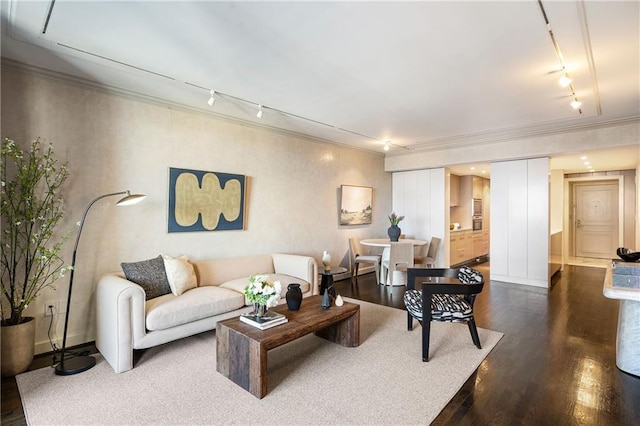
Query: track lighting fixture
(575, 103)
(564, 80)
(213, 94)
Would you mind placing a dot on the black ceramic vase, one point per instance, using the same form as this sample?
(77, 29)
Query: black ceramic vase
(294, 296)
(394, 233)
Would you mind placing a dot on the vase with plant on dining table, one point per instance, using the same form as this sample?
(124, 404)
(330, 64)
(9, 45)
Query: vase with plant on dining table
(394, 231)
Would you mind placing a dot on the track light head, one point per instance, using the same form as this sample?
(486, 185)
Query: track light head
(386, 145)
(564, 80)
(259, 114)
(575, 104)
(212, 100)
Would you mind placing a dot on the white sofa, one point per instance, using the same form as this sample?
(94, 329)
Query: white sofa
(125, 321)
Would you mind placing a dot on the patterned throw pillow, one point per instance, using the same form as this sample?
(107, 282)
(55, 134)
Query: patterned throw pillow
(148, 274)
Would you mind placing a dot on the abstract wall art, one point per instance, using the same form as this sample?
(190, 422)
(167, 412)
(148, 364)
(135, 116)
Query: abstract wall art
(205, 201)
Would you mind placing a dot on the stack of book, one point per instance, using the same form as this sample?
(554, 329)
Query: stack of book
(270, 319)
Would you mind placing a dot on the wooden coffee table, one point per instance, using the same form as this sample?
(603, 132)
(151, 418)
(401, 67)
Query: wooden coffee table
(241, 349)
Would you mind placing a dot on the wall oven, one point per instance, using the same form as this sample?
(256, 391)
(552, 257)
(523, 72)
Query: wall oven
(477, 223)
(476, 207)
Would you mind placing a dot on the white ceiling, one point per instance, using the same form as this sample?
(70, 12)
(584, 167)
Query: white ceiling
(419, 74)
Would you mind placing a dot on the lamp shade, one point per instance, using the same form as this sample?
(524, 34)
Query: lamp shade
(131, 199)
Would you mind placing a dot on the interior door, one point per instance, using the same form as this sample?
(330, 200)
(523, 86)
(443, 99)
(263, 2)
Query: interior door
(596, 219)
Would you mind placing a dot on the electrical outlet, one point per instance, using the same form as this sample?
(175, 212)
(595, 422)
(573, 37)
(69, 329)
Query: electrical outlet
(47, 305)
(58, 307)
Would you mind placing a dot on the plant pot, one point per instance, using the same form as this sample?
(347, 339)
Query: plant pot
(394, 233)
(18, 345)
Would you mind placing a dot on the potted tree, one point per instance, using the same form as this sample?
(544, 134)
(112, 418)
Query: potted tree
(31, 208)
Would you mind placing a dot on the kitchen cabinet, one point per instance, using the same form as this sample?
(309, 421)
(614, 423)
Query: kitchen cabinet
(476, 244)
(467, 245)
(485, 242)
(460, 246)
(453, 248)
(477, 187)
(454, 190)
(486, 204)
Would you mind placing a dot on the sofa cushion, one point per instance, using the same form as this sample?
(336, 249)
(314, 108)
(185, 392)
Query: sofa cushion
(180, 274)
(202, 302)
(239, 284)
(150, 275)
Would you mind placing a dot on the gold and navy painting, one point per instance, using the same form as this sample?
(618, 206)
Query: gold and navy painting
(205, 201)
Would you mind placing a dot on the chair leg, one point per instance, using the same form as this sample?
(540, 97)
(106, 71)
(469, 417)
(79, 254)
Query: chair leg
(409, 321)
(474, 333)
(426, 329)
(356, 271)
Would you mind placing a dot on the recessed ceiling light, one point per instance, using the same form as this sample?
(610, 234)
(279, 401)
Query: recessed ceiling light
(586, 163)
(473, 168)
(584, 157)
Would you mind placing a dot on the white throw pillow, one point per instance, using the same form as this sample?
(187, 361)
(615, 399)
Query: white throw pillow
(180, 274)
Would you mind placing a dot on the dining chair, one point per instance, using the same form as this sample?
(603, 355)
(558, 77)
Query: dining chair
(445, 302)
(357, 259)
(429, 260)
(400, 259)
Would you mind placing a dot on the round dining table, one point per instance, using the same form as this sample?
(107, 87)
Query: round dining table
(385, 243)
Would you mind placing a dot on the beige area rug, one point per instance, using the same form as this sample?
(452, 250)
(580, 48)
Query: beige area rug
(311, 381)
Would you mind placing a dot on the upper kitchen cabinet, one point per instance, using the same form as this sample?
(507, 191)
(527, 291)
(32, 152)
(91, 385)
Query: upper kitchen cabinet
(477, 187)
(454, 190)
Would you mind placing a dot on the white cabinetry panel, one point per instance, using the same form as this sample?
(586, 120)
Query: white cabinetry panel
(517, 218)
(499, 231)
(538, 219)
(520, 222)
(419, 196)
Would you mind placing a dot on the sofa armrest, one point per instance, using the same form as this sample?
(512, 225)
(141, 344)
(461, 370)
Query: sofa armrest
(303, 267)
(120, 319)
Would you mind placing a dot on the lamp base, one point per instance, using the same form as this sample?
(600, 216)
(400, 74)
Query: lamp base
(75, 365)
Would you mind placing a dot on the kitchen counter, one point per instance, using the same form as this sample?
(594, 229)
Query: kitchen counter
(460, 230)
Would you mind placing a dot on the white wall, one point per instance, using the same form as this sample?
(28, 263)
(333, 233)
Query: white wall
(520, 222)
(114, 143)
(422, 197)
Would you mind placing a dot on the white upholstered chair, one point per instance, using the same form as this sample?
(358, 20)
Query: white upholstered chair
(400, 258)
(357, 259)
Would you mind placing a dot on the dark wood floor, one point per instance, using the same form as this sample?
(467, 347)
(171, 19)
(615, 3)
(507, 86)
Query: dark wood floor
(554, 366)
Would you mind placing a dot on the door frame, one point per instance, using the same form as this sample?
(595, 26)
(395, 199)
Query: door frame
(569, 236)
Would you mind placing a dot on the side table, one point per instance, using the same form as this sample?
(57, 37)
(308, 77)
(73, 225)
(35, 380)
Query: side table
(326, 282)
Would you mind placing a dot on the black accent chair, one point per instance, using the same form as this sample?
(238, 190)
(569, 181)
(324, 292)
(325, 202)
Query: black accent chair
(450, 302)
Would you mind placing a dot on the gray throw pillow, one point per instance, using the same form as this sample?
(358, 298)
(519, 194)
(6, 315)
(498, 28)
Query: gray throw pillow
(148, 274)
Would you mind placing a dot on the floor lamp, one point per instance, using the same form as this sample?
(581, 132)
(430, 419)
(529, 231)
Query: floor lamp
(80, 363)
